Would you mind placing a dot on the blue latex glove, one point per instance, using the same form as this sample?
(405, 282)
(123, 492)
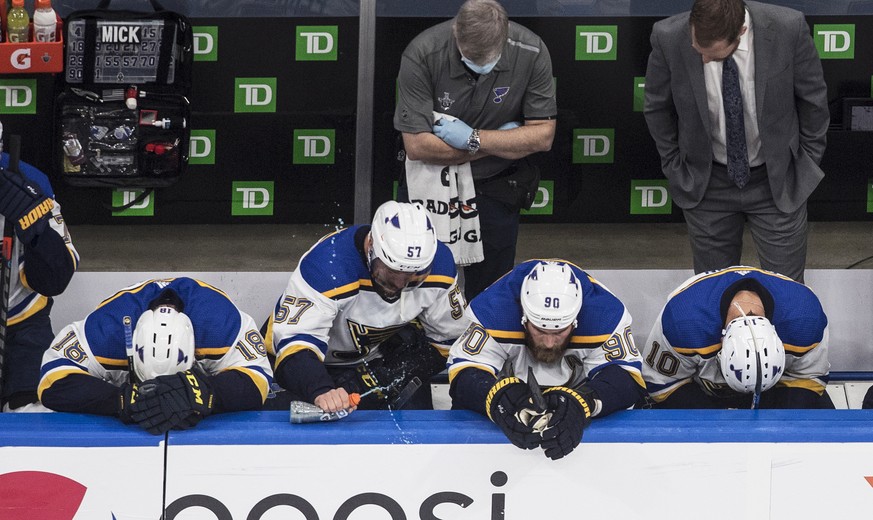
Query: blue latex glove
(454, 133)
(509, 126)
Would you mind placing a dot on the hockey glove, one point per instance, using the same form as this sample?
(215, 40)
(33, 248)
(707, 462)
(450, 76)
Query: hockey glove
(510, 406)
(125, 400)
(23, 202)
(455, 133)
(168, 402)
(571, 413)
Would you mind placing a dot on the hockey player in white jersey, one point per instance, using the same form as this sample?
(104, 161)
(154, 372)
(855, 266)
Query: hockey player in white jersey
(739, 337)
(162, 354)
(551, 319)
(368, 307)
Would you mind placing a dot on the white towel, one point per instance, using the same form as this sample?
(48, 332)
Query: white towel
(448, 194)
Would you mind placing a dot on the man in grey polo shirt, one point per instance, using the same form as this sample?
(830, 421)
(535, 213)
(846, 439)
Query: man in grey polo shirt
(495, 77)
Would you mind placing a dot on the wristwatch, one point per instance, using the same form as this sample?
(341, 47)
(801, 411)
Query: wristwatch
(473, 142)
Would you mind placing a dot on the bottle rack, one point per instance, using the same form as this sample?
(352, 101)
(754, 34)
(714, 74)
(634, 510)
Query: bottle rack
(31, 57)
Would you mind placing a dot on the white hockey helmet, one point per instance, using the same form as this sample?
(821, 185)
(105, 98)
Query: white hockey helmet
(163, 343)
(551, 296)
(403, 237)
(751, 351)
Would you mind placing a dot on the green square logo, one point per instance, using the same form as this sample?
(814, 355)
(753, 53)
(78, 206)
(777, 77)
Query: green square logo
(205, 43)
(254, 95)
(143, 208)
(869, 195)
(18, 96)
(596, 42)
(650, 197)
(202, 147)
(314, 146)
(252, 198)
(835, 41)
(639, 93)
(316, 43)
(543, 203)
(593, 145)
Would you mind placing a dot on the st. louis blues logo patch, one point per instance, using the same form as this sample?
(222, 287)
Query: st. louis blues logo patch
(499, 92)
(446, 102)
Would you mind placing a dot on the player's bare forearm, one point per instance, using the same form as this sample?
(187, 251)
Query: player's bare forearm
(428, 148)
(517, 143)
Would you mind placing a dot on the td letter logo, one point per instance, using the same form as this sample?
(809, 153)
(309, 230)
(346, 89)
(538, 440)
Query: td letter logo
(206, 43)
(254, 95)
(596, 42)
(202, 147)
(252, 198)
(316, 43)
(17, 96)
(835, 41)
(143, 208)
(593, 145)
(650, 197)
(314, 146)
(639, 93)
(543, 203)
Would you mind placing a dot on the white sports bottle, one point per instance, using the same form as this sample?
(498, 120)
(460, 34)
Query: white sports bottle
(45, 22)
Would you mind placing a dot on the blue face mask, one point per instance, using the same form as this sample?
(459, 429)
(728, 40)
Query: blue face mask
(480, 69)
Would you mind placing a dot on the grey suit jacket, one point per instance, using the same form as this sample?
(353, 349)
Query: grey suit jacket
(790, 97)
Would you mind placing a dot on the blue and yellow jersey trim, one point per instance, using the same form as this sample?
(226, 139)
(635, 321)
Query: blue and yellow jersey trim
(258, 377)
(55, 371)
(705, 352)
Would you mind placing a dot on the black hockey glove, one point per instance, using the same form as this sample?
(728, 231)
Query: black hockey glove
(23, 202)
(570, 414)
(125, 400)
(510, 405)
(168, 402)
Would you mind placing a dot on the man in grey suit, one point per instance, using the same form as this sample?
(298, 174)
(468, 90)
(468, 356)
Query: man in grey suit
(737, 105)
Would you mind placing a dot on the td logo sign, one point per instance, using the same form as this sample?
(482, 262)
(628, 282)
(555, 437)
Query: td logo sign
(143, 208)
(543, 203)
(252, 198)
(202, 147)
(18, 96)
(314, 146)
(639, 93)
(870, 196)
(254, 95)
(206, 43)
(596, 42)
(593, 145)
(316, 43)
(835, 41)
(650, 197)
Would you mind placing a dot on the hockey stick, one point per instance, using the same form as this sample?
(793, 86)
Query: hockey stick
(6, 260)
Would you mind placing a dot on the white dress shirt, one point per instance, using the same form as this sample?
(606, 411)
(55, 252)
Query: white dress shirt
(744, 56)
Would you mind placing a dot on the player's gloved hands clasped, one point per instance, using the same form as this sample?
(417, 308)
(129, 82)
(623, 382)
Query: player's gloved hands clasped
(570, 415)
(455, 133)
(510, 406)
(23, 202)
(172, 401)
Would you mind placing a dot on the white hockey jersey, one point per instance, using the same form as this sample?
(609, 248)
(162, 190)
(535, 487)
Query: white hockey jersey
(684, 343)
(225, 338)
(496, 337)
(331, 308)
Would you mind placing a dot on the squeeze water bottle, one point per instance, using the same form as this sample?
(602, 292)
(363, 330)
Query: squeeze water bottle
(17, 23)
(303, 412)
(45, 22)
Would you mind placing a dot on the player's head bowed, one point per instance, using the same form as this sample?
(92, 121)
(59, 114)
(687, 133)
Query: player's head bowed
(551, 298)
(163, 339)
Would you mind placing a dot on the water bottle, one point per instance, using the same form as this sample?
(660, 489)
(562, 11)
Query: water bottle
(45, 22)
(17, 23)
(303, 412)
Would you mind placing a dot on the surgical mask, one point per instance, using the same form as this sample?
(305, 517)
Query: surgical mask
(481, 69)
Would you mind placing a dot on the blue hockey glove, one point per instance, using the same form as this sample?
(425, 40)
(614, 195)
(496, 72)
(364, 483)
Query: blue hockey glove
(22, 202)
(570, 415)
(455, 133)
(510, 406)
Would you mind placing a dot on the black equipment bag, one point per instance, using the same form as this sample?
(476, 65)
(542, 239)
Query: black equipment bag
(123, 116)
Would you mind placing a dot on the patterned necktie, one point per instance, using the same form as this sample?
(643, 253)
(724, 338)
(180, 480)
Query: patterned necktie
(735, 128)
